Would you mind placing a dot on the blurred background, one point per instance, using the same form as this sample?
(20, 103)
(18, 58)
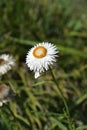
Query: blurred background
(37, 105)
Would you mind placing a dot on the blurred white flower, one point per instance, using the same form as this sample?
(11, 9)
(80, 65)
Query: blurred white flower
(4, 94)
(6, 63)
(40, 57)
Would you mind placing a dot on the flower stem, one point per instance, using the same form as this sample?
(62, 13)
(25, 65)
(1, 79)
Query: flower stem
(71, 125)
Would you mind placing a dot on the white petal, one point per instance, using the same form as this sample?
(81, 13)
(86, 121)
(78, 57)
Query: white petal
(9, 62)
(37, 74)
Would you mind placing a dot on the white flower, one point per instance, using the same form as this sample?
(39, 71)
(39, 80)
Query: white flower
(40, 57)
(6, 63)
(4, 94)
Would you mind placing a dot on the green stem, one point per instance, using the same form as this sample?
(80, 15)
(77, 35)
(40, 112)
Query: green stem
(71, 125)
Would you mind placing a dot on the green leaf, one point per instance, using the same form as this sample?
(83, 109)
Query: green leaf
(84, 127)
(57, 123)
(81, 99)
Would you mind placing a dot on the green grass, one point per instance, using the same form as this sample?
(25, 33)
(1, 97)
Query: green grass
(37, 104)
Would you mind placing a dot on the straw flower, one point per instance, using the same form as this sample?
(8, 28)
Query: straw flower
(6, 63)
(4, 94)
(40, 57)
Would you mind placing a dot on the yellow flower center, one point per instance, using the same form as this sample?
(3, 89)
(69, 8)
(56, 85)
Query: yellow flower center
(39, 52)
